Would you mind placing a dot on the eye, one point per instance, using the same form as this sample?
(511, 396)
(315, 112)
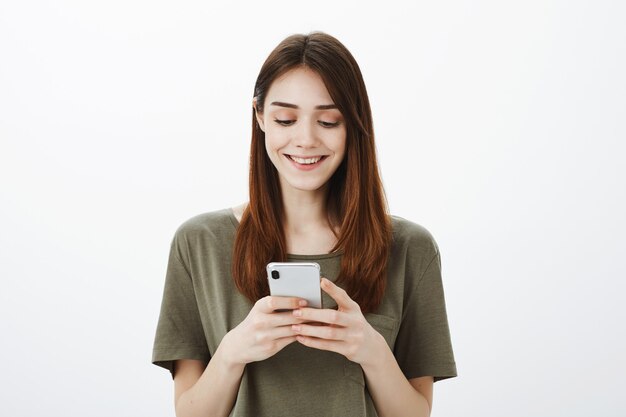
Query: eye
(328, 124)
(284, 122)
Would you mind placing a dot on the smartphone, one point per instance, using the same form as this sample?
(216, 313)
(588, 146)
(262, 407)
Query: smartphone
(296, 279)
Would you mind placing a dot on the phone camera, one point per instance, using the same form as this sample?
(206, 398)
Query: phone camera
(275, 274)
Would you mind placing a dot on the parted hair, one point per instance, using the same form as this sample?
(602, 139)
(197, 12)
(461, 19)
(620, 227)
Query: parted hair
(355, 192)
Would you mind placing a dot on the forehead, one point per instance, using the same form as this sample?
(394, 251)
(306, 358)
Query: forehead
(301, 86)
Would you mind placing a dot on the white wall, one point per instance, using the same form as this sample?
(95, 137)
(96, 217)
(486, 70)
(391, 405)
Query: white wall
(500, 127)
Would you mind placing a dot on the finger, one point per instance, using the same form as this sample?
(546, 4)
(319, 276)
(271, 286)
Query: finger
(282, 342)
(278, 333)
(337, 293)
(282, 319)
(275, 347)
(321, 332)
(322, 315)
(322, 344)
(269, 304)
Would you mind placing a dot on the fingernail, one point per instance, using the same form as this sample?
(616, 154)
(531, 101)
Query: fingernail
(297, 313)
(302, 303)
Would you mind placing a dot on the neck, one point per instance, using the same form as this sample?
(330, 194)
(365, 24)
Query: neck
(305, 211)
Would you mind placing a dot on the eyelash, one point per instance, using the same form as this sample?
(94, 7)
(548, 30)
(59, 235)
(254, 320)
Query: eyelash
(290, 122)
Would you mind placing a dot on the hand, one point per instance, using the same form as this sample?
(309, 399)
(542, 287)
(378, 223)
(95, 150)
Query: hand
(344, 331)
(264, 332)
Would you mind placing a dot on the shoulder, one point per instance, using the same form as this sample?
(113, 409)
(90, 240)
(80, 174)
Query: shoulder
(413, 238)
(206, 225)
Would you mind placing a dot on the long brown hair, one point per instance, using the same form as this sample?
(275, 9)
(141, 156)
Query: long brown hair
(355, 192)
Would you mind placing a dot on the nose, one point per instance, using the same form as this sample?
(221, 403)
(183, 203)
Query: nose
(305, 136)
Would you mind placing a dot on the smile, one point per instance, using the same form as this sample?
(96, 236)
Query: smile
(306, 163)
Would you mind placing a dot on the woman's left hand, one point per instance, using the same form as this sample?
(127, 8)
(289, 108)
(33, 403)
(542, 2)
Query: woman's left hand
(344, 331)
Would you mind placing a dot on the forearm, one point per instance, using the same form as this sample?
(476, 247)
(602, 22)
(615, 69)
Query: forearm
(391, 392)
(215, 391)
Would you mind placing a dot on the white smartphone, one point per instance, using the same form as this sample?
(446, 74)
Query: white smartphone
(296, 279)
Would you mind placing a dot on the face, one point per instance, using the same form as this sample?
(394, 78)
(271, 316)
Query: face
(305, 134)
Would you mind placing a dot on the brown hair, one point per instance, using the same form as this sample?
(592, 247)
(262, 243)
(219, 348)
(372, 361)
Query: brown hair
(355, 192)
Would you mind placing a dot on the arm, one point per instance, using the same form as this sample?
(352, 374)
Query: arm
(392, 393)
(212, 390)
(348, 333)
(201, 391)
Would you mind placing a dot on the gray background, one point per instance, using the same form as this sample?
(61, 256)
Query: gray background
(500, 128)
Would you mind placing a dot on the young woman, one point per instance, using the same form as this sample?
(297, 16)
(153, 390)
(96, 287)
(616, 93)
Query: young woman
(381, 338)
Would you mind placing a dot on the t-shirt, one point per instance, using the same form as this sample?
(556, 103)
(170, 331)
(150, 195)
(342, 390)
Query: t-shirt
(201, 304)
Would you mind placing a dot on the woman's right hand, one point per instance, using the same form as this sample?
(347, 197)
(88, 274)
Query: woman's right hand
(264, 332)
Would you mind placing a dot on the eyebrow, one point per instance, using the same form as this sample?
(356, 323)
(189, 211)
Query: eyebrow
(293, 106)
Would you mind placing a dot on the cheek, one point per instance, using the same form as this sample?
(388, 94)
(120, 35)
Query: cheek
(268, 146)
(275, 134)
(274, 141)
(340, 143)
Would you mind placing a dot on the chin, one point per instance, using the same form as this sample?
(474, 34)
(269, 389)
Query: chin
(306, 186)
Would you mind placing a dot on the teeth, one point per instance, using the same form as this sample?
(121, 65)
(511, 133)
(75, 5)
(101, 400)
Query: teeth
(306, 161)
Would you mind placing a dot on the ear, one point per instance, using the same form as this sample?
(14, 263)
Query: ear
(259, 116)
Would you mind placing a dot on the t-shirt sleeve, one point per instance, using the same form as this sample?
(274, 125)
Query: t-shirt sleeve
(423, 346)
(179, 333)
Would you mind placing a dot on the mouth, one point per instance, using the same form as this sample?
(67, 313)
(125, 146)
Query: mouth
(309, 162)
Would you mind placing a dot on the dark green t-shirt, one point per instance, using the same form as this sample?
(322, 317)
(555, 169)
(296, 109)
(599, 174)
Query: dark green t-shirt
(201, 304)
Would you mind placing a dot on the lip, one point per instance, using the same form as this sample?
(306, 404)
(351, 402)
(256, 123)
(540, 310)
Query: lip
(304, 156)
(306, 167)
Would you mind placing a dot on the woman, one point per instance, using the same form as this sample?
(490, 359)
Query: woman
(381, 339)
